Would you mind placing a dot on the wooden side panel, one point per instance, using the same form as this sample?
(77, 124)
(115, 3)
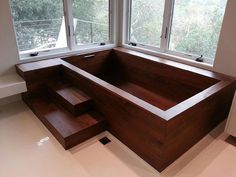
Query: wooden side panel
(186, 129)
(92, 63)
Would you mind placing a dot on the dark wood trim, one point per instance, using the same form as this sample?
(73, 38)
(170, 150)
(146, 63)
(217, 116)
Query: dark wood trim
(159, 136)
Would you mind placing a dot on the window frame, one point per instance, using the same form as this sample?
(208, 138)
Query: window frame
(72, 47)
(166, 31)
(146, 46)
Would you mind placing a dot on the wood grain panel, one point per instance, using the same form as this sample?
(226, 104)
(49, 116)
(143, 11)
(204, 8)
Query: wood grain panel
(92, 63)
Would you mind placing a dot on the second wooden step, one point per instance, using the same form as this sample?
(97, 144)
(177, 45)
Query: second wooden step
(74, 100)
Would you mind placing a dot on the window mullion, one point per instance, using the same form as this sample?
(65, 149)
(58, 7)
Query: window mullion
(126, 21)
(69, 24)
(166, 28)
(113, 25)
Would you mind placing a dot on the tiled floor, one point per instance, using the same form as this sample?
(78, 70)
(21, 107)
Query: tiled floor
(22, 154)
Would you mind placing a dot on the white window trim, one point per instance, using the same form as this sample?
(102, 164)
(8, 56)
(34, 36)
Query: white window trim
(167, 23)
(69, 24)
(72, 48)
(163, 50)
(125, 21)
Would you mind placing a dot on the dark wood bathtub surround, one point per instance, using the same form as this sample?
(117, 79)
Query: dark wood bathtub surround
(65, 110)
(139, 129)
(69, 129)
(192, 101)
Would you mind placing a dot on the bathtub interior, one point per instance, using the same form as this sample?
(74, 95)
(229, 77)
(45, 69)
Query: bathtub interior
(145, 79)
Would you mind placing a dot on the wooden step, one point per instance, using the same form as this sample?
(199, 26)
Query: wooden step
(68, 129)
(70, 97)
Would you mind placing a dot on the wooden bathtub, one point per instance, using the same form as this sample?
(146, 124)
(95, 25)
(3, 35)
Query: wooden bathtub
(158, 108)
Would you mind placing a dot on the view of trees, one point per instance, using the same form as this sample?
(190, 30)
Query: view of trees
(195, 27)
(146, 21)
(92, 20)
(38, 23)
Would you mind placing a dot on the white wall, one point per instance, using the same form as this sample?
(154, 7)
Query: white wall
(225, 59)
(226, 54)
(8, 48)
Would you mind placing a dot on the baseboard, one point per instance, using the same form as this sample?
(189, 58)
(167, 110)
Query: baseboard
(10, 99)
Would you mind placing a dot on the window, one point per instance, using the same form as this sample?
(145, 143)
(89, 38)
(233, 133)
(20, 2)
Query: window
(38, 24)
(196, 26)
(91, 21)
(60, 25)
(187, 28)
(146, 27)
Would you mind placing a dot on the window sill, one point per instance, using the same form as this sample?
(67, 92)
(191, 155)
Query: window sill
(66, 53)
(171, 57)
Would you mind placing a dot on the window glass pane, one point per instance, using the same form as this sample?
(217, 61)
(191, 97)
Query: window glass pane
(39, 24)
(196, 26)
(91, 21)
(146, 21)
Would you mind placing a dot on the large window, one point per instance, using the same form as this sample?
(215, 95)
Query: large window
(38, 24)
(146, 21)
(196, 26)
(54, 25)
(186, 28)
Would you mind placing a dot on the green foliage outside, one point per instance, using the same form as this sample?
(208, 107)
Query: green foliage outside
(38, 22)
(146, 21)
(88, 11)
(195, 28)
(33, 23)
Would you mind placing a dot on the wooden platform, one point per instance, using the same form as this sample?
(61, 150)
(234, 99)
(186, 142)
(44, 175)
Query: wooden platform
(67, 112)
(68, 129)
(158, 108)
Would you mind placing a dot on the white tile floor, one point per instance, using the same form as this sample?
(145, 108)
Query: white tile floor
(23, 155)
